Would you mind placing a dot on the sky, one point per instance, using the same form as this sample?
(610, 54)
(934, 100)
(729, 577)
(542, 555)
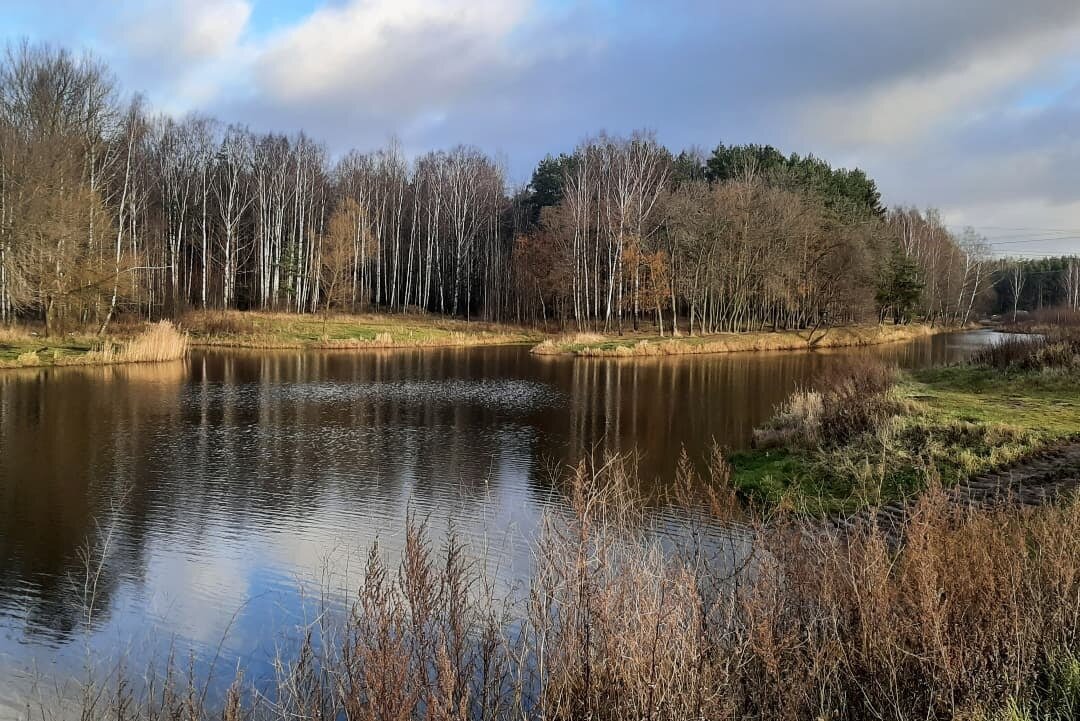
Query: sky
(968, 106)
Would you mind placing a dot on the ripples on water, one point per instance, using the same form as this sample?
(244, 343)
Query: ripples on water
(232, 480)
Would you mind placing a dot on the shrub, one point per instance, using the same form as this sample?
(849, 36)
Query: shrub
(776, 620)
(1058, 349)
(219, 322)
(846, 403)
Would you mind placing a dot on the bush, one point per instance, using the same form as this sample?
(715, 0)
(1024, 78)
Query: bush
(218, 322)
(847, 403)
(776, 620)
(1058, 349)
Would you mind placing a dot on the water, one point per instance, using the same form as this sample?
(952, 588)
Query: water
(221, 485)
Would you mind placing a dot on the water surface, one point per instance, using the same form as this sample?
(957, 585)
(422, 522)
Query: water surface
(222, 484)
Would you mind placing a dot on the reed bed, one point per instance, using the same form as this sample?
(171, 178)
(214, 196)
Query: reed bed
(599, 346)
(976, 617)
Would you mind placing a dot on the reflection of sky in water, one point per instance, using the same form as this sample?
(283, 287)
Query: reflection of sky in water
(252, 476)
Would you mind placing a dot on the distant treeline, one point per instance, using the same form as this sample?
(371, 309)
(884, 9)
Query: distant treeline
(1037, 284)
(106, 208)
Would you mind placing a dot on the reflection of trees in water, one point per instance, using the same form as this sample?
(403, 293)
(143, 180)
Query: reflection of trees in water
(70, 444)
(659, 406)
(226, 439)
(301, 428)
(275, 441)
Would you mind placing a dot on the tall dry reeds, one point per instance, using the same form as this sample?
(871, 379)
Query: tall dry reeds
(159, 342)
(619, 621)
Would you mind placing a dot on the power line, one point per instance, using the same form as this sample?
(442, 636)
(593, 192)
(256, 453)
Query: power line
(1016, 228)
(1032, 240)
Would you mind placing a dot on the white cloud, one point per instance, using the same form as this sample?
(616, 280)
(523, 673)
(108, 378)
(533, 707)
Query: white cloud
(194, 31)
(185, 52)
(400, 54)
(910, 107)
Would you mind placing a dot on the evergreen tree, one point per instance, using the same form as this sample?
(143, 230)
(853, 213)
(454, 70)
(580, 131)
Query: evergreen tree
(900, 287)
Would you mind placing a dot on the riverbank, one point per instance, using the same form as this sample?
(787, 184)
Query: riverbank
(975, 619)
(286, 331)
(152, 343)
(592, 345)
(882, 443)
(273, 331)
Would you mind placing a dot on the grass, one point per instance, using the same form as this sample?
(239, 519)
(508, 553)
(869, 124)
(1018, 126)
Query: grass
(250, 329)
(152, 343)
(976, 617)
(600, 346)
(945, 423)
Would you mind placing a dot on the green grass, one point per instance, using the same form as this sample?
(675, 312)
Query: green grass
(282, 330)
(48, 350)
(963, 420)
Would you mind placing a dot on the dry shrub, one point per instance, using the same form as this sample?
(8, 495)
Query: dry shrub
(218, 323)
(848, 402)
(1050, 318)
(776, 620)
(1057, 349)
(856, 399)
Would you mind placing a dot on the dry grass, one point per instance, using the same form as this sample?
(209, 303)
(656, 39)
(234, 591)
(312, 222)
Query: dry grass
(1048, 320)
(158, 342)
(258, 330)
(619, 623)
(596, 346)
(1057, 349)
(841, 405)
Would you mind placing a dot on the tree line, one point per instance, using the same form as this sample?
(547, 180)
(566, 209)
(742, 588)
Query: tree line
(108, 208)
(1032, 284)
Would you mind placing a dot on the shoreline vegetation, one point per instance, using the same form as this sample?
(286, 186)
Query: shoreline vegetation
(952, 610)
(864, 435)
(594, 345)
(340, 331)
(975, 618)
(149, 343)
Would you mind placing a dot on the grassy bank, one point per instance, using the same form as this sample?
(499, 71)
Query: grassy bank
(155, 342)
(865, 439)
(600, 346)
(236, 329)
(976, 618)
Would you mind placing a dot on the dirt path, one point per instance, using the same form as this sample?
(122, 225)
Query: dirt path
(1042, 478)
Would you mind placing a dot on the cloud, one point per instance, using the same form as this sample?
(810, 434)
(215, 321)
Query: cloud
(185, 52)
(907, 108)
(965, 104)
(401, 54)
(194, 31)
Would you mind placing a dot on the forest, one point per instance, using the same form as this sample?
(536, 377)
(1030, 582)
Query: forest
(108, 209)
